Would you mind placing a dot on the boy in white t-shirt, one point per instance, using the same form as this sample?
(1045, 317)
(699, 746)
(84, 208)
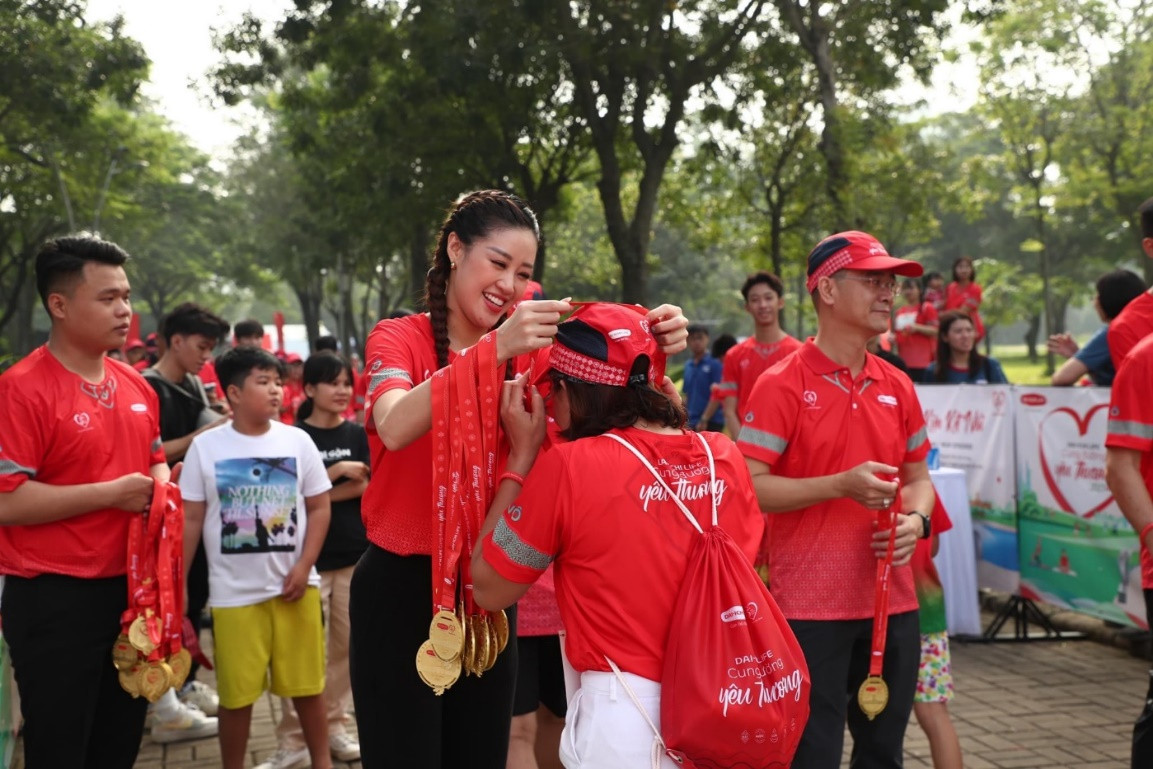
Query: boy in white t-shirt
(245, 485)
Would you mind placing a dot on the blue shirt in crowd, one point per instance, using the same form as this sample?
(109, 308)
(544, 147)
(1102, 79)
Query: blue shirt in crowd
(989, 373)
(1095, 356)
(699, 380)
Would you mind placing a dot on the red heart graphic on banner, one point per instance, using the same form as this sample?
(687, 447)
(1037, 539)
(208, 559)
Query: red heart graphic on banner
(1053, 482)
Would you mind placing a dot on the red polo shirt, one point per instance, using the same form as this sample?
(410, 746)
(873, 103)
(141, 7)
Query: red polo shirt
(808, 417)
(58, 429)
(1133, 324)
(745, 362)
(1131, 423)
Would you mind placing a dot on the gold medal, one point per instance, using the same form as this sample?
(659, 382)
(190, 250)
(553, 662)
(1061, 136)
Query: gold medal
(468, 653)
(128, 681)
(500, 624)
(138, 636)
(153, 679)
(437, 673)
(445, 635)
(180, 663)
(494, 642)
(124, 654)
(873, 696)
(483, 644)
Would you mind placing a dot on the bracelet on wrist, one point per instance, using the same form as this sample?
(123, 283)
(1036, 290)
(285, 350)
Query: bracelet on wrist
(511, 476)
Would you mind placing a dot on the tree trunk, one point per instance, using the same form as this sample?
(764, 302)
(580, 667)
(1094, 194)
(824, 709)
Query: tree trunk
(814, 36)
(418, 264)
(1031, 335)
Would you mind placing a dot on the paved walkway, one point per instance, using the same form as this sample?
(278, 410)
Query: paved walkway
(1028, 705)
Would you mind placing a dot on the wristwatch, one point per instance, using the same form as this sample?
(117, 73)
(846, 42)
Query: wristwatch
(926, 526)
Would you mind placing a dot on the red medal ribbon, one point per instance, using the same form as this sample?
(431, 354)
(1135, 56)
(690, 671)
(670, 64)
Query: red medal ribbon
(466, 412)
(883, 586)
(445, 527)
(156, 571)
(170, 573)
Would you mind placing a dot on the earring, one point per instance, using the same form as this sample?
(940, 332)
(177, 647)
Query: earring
(452, 265)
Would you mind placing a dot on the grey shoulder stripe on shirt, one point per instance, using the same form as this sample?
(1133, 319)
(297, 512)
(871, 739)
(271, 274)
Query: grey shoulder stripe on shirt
(1132, 429)
(377, 379)
(762, 439)
(8, 467)
(517, 550)
(916, 439)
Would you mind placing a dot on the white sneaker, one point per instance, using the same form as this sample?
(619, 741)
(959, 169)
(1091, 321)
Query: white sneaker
(344, 747)
(285, 758)
(189, 724)
(201, 695)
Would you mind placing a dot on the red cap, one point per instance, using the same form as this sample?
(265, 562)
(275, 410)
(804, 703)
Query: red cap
(293, 358)
(134, 344)
(855, 251)
(601, 342)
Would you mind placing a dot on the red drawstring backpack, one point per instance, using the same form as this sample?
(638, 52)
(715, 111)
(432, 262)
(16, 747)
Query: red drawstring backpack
(735, 686)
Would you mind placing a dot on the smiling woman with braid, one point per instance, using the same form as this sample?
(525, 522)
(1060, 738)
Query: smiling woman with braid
(483, 261)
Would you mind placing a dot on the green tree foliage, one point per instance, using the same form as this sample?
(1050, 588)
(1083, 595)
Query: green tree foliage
(54, 70)
(858, 47)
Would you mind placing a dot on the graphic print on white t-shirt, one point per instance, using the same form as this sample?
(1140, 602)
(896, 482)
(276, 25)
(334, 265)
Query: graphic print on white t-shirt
(258, 498)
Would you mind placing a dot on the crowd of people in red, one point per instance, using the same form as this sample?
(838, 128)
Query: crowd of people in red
(492, 526)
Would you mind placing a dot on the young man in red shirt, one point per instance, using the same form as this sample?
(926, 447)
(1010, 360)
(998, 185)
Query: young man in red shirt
(827, 435)
(79, 448)
(1129, 473)
(764, 299)
(1135, 322)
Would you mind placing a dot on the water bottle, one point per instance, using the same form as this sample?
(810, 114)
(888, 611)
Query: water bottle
(934, 458)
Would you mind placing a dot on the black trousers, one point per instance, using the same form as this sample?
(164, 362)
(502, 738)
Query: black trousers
(197, 585)
(400, 721)
(1143, 729)
(60, 631)
(837, 652)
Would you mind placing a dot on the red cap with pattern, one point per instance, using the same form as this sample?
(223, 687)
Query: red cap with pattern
(855, 251)
(601, 343)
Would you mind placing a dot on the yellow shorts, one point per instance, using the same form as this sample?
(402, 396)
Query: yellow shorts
(273, 637)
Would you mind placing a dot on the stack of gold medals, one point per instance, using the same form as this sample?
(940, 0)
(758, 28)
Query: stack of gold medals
(149, 654)
(459, 641)
(143, 670)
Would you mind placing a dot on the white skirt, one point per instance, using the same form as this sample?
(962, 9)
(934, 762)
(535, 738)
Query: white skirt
(605, 730)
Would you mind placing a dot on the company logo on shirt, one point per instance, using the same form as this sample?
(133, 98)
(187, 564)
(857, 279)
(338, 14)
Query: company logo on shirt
(139, 408)
(888, 400)
(82, 420)
(810, 398)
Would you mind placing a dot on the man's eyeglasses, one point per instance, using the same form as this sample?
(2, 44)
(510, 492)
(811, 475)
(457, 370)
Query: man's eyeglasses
(880, 285)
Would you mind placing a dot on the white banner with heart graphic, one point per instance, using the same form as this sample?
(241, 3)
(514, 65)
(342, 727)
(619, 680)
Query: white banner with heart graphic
(1061, 452)
(1077, 550)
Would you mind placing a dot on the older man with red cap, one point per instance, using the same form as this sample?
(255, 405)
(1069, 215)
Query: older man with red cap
(835, 440)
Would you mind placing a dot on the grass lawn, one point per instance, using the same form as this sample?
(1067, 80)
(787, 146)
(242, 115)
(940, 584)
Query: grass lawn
(1017, 367)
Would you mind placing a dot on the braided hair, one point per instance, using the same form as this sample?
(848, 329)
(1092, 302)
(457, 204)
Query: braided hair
(473, 215)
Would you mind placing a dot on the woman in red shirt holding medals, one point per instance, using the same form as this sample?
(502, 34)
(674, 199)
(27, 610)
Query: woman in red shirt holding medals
(412, 709)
